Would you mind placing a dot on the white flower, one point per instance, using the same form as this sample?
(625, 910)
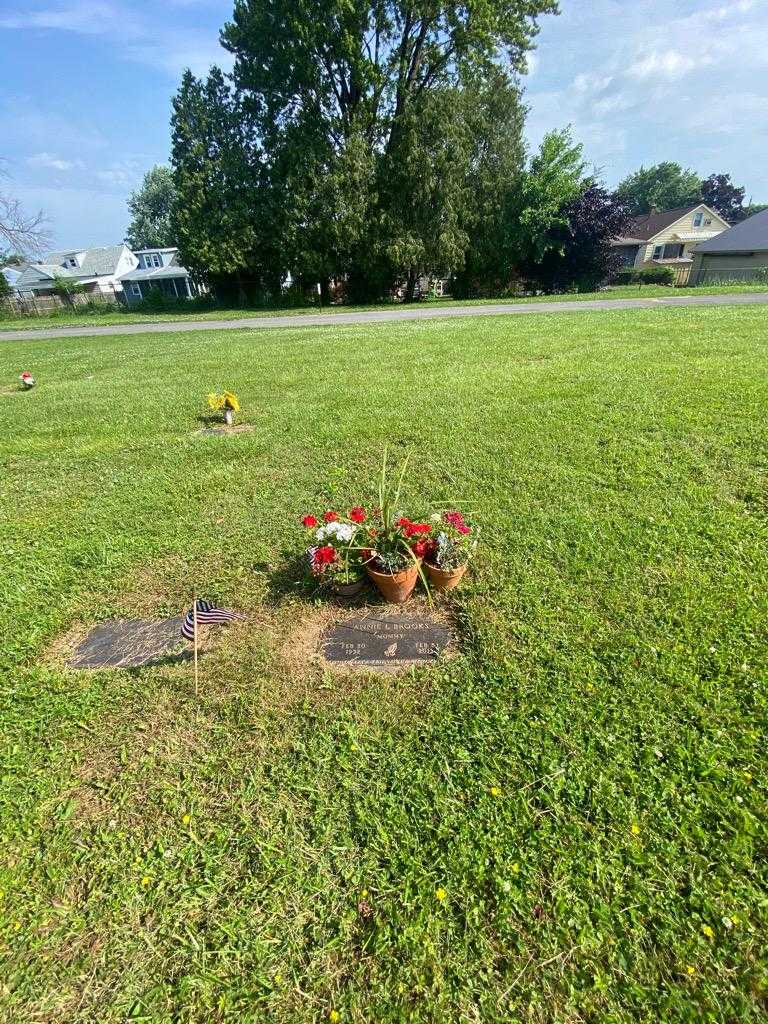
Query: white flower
(343, 532)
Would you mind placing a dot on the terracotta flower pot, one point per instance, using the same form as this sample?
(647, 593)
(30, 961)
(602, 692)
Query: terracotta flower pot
(395, 587)
(445, 579)
(351, 589)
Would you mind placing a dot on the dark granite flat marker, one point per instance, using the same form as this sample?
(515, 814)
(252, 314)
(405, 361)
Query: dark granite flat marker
(130, 643)
(385, 642)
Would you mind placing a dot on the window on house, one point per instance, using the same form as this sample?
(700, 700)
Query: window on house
(152, 259)
(136, 289)
(658, 252)
(70, 262)
(698, 219)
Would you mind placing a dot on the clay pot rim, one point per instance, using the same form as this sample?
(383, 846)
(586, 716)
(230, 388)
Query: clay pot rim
(392, 575)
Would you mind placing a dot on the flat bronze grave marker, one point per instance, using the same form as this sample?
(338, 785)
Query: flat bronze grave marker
(130, 643)
(385, 642)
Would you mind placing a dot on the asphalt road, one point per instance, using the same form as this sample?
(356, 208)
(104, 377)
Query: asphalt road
(426, 312)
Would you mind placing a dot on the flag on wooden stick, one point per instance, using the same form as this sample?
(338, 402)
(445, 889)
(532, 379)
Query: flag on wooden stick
(206, 614)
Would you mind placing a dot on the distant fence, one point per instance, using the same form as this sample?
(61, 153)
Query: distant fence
(45, 305)
(732, 275)
(682, 275)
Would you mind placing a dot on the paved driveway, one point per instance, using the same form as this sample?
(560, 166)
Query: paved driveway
(425, 312)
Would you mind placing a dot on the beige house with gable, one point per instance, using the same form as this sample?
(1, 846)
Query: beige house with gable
(669, 237)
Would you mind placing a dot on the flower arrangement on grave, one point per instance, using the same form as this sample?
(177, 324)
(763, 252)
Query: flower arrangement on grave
(449, 549)
(227, 403)
(27, 380)
(335, 554)
(395, 542)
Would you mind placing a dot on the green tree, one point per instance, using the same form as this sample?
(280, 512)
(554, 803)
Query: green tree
(555, 177)
(355, 92)
(666, 186)
(497, 166)
(150, 207)
(5, 288)
(577, 254)
(222, 220)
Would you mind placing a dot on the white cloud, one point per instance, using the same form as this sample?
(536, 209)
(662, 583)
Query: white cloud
(90, 17)
(658, 80)
(667, 64)
(144, 35)
(55, 163)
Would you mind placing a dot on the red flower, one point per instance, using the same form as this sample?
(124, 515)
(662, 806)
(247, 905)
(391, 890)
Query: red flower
(309, 522)
(330, 517)
(357, 514)
(420, 548)
(367, 554)
(462, 528)
(403, 523)
(417, 528)
(323, 556)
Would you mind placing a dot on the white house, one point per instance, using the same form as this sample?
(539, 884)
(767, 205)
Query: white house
(97, 270)
(668, 237)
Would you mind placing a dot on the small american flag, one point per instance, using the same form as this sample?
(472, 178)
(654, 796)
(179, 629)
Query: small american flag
(207, 615)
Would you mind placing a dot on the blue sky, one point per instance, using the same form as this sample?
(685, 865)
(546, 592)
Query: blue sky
(86, 89)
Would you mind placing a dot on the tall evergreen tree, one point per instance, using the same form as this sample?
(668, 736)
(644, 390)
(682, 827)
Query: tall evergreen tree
(221, 217)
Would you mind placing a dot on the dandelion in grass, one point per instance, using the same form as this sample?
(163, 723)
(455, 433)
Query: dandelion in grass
(334, 1016)
(494, 791)
(186, 819)
(690, 969)
(707, 931)
(146, 882)
(635, 829)
(441, 895)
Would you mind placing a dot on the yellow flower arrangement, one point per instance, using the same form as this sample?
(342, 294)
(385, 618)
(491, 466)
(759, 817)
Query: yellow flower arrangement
(226, 400)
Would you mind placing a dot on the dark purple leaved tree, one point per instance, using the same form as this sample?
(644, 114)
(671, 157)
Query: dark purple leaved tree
(579, 256)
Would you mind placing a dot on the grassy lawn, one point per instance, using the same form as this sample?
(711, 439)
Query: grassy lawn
(173, 858)
(128, 317)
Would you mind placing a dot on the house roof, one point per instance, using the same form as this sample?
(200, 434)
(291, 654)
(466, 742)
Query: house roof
(750, 235)
(647, 225)
(96, 262)
(156, 273)
(11, 275)
(37, 272)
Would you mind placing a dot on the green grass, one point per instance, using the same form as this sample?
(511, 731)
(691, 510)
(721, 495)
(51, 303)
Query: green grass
(126, 316)
(611, 680)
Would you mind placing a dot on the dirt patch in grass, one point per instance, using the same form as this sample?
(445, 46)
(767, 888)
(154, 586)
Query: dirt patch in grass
(222, 430)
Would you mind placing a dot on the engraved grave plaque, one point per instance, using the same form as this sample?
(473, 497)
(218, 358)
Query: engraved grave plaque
(385, 642)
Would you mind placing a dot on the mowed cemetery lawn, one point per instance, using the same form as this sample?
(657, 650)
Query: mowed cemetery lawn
(564, 822)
